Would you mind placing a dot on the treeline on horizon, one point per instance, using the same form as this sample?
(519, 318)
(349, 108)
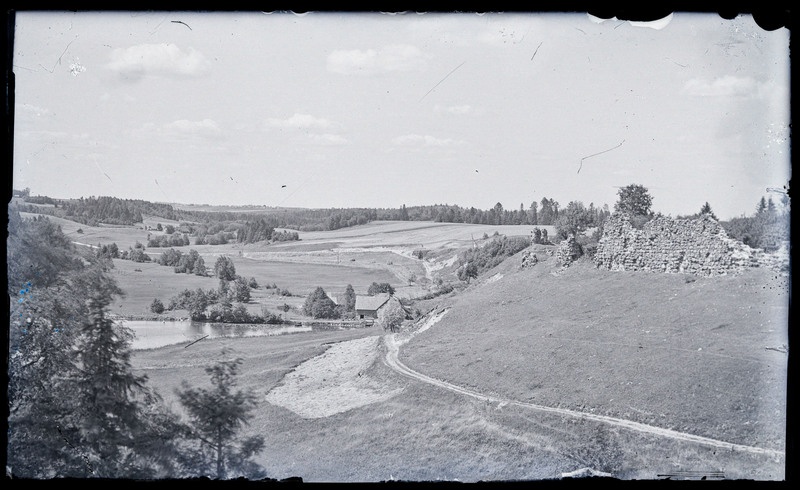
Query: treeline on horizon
(766, 228)
(93, 211)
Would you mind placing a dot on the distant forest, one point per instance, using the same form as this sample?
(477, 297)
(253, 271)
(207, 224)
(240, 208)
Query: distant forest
(767, 228)
(111, 210)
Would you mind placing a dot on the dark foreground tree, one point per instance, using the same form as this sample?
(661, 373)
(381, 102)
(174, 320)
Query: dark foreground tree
(216, 417)
(113, 402)
(75, 407)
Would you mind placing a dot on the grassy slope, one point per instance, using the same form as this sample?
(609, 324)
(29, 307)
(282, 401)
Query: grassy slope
(654, 348)
(537, 347)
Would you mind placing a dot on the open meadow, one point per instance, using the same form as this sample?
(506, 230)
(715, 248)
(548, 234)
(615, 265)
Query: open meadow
(331, 260)
(527, 374)
(523, 374)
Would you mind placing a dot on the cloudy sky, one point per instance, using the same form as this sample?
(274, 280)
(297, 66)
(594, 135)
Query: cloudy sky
(379, 110)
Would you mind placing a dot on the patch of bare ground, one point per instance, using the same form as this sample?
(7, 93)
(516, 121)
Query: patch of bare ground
(332, 382)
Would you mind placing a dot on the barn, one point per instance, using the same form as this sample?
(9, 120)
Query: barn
(368, 306)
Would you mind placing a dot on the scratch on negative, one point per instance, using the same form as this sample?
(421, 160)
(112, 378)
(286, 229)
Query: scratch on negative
(196, 341)
(537, 50)
(598, 153)
(181, 22)
(59, 58)
(442, 80)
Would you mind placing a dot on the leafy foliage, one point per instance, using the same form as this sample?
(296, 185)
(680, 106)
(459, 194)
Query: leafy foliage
(157, 306)
(476, 260)
(112, 210)
(138, 254)
(349, 299)
(635, 200)
(378, 288)
(573, 220)
(467, 271)
(391, 316)
(767, 229)
(38, 252)
(240, 290)
(256, 231)
(319, 305)
(224, 268)
(76, 408)
(107, 251)
(173, 240)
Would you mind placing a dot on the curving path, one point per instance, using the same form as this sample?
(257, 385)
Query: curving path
(391, 359)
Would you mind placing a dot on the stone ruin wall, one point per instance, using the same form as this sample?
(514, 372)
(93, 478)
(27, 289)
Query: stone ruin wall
(568, 251)
(693, 246)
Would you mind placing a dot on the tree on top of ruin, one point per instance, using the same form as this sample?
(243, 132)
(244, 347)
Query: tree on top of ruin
(706, 209)
(635, 200)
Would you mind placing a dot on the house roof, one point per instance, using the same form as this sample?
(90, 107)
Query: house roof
(371, 302)
(336, 298)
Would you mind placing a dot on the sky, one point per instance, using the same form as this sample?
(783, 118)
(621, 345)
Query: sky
(324, 110)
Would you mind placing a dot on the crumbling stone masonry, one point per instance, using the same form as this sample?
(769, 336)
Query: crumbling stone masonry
(529, 259)
(693, 246)
(568, 251)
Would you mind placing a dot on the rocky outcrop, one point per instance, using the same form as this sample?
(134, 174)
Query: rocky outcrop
(693, 246)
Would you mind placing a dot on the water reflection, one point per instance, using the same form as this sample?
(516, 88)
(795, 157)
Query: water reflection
(152, 334)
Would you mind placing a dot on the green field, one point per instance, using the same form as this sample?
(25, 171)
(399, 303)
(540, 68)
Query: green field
(331, 260)
(700, 356)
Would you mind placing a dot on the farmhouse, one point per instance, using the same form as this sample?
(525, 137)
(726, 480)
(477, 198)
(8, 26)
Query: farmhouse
(368, 306)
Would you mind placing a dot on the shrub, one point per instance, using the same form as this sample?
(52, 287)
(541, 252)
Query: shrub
(588, 245)
(391, 316)
(477, 260)
(240, 290)
(376, 288)
(319, 305)
(157, 306)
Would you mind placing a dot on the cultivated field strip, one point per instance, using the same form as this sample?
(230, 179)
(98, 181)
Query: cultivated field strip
(392, 360)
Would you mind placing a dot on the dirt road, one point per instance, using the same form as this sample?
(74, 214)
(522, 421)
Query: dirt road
(394, 341)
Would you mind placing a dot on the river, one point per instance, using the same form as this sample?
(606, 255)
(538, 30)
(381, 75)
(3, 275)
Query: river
(151, 334)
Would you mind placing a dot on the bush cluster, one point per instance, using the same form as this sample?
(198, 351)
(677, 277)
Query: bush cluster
(476, 260)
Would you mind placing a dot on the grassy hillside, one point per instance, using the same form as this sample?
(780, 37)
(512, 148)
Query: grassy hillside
(704, 356)
(701, 355)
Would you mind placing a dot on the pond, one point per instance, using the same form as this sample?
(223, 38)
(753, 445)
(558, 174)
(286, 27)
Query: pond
(151, 334)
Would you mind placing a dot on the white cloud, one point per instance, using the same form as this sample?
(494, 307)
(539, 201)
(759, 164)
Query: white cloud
(33, 109)
(300, 121)
(726, 86)
(206, 127)
(181, 129)
(454, 109)
(426, 140)
(396, 57)
(328, 139)
(158, 60)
